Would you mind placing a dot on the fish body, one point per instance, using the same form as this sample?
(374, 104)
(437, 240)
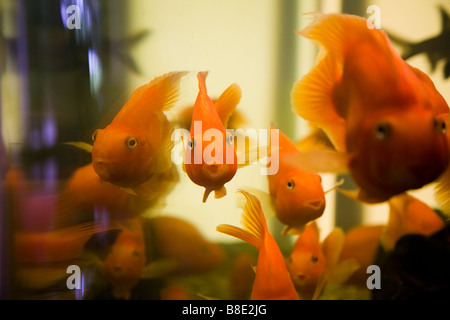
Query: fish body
(374, 107)
(297, 194)
(272, 280)
(210, 158)
(137, 144)
(436, 48)
(306, 262)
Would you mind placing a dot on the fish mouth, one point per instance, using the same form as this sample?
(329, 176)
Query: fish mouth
(101, 168)
(214, 172)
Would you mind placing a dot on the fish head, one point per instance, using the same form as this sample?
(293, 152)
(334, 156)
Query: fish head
(122, 157)
(210, 159)
(299, 197)
(392, 153)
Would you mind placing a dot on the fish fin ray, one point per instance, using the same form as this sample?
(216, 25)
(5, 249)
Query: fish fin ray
(220, 193)
(311, 98)
(227, 103)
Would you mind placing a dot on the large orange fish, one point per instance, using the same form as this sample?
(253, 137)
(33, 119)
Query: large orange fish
(384, 115)
(297, 194)
(272, 279)
(306, 262)
(210, 158)
(137, 144)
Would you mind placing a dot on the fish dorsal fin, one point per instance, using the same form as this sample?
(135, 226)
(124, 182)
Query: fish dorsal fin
(160, 94)
(310, 237)
(227, 103)
(253, 222)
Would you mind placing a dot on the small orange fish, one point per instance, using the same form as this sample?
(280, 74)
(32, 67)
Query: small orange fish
(137, 143)
(272, 281)
(306, 262)
(297, 194)
(209, 162)
(383, 114)
(178, 240)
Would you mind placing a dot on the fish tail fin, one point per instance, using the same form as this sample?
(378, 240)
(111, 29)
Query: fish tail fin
(227, 102)
(312, 99)
(253, 221)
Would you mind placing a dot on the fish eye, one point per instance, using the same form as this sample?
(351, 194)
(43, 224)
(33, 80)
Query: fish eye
(314, 258)
(131, 142)
(439, 125)
(191, 144)
(382, 130)
(229, 138)
(94, 135)
(290, 184)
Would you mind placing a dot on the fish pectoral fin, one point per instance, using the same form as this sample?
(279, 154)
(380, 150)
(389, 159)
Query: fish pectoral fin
(227, 103)
(362, 196)
(201, 295)
(159, 268)
(336, 186)
(254, 269)
(332, 246)
(220, 193)
(251, 156)
(80, 145)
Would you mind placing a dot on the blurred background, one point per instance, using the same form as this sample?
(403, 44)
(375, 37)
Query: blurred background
(60, 84)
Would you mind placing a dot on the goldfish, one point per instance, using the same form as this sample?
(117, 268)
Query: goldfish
(435, 48)
(272, 280)
(180, 241)
(385, 116)
(296, 193)
(136, 144)
(306, 262)
(211, 171)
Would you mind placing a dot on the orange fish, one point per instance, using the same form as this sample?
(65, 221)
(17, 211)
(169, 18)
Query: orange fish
(208, 162)
(85, 191)
(306, 262)
(180, 241)
(272, 281)
(383, 114)
(137, 144)
(297, 194)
